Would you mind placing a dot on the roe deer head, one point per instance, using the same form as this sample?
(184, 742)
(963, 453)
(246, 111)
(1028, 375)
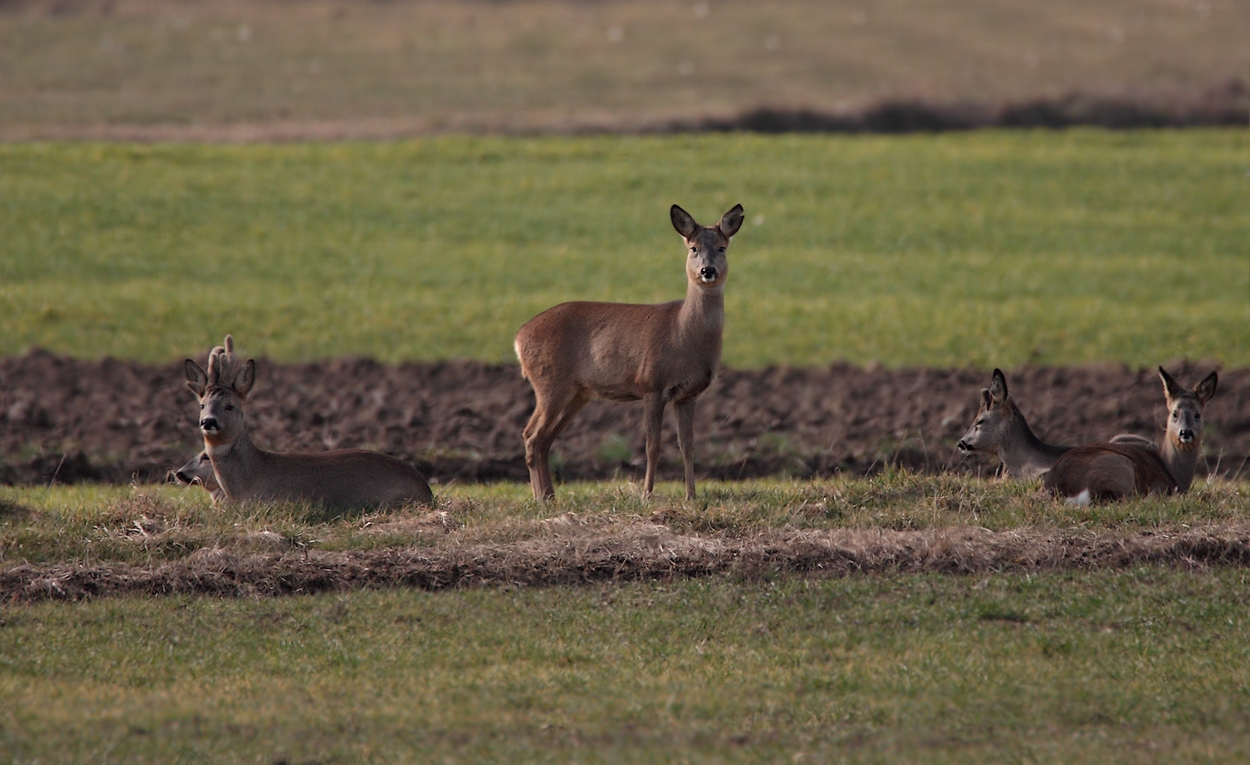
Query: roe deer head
(200, 470)
(579, 351)
(336, 479)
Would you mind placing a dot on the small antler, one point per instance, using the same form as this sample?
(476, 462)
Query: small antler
(221, 365)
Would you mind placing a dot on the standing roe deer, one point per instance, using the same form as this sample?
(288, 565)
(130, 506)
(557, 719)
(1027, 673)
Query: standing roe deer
(578, 351)
(1115, 470)
(336, 479)
(1001, 429)
(200, 470)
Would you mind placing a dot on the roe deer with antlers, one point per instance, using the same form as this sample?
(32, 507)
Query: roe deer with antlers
(1115, 470)
(576, 352)
(337, 479)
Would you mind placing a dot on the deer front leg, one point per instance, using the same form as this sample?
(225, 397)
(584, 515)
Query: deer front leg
(652, 419)
(685, 439)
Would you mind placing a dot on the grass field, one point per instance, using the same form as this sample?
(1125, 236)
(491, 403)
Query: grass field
(1146, 665)
(167, 67)
(1138, 664)
(976, 249)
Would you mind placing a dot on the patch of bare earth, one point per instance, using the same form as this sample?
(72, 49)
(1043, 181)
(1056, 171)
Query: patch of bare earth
(462, 420)
(594, 550)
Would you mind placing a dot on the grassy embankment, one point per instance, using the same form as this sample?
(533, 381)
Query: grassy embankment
(153, 525)
(976, 249)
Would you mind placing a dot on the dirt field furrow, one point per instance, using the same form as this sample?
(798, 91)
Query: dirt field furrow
(70, 420)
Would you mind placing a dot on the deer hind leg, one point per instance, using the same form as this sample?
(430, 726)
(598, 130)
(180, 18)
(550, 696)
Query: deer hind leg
(685, 439)
(652, 420)
(551, 416)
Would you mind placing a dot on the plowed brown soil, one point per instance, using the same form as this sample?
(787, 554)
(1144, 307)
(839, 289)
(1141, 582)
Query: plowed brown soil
(70, 420)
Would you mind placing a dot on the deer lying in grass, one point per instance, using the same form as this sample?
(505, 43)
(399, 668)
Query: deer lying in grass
(200, 470)
(576, 352)
(1115, 470)
(336, 479)
(1001, 429)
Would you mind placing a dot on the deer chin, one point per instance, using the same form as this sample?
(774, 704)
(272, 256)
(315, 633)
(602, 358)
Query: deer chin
(215, 441)
(1184, 445)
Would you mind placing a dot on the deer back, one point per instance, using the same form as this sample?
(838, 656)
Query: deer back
(1110, 471)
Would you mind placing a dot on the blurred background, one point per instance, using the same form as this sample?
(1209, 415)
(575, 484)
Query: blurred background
(332, 68)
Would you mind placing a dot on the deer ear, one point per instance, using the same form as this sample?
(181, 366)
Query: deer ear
(986, 400)
(1171, 388)
(731, 221)
(998, 386)
(682, 221)
(1205, 390)
(245, 378)
(197, 381)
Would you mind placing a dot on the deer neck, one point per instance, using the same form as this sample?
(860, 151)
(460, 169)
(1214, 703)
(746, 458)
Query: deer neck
(1024, 454)
(702, 312)
(1181, 461)
(235, 463)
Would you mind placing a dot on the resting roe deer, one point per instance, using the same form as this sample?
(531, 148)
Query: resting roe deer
(579, 351)
(1001, 429)
(337, 479)
(1115, 470)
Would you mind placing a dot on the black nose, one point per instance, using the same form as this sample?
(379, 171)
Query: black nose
(708, 273)
(1187, 435)
(963, 447)
(182, 477)
(208, 423)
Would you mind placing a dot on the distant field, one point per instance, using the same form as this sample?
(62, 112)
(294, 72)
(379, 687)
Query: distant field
(976, 249)
(1110, 660)
(329, 67)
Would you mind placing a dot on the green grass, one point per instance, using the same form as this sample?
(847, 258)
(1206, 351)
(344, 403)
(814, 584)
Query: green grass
(1100, 667)
(151, 525)
(987, 249)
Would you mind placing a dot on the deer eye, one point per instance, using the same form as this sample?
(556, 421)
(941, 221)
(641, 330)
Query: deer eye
(720, 249)
(229, 407)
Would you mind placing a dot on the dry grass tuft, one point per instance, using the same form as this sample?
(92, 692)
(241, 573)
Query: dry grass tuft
(575, 550)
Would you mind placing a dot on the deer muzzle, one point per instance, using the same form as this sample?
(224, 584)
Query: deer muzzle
(1186, 436)
(209, 425)
(963, 447)
(707, 274)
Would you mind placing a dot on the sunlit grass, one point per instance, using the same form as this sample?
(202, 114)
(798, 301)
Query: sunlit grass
(986, 249)
(151, 524)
